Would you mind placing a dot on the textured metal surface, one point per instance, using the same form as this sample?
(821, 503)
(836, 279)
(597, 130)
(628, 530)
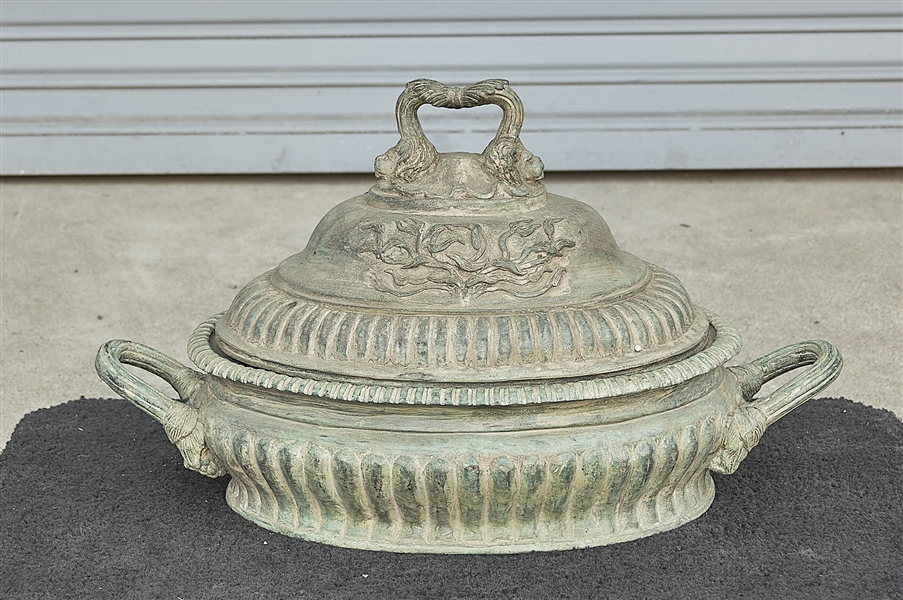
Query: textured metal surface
(293, 332)
(463, 478)
(724, 345)
(595, 488)
(461, 268)
(451, 448)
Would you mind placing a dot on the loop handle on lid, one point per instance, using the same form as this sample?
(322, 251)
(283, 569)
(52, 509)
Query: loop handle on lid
(414, 158)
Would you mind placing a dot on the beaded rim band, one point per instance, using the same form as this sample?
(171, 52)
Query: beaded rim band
(725, 346)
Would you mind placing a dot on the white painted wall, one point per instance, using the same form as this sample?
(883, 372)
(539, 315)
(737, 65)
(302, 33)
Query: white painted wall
(253, 87)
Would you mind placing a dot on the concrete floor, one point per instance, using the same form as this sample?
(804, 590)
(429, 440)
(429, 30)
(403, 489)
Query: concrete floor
(783, 255)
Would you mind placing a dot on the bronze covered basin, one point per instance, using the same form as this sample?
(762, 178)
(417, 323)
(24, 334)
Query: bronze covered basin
(462, 362)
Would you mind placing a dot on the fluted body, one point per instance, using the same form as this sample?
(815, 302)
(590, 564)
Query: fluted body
(460, 479)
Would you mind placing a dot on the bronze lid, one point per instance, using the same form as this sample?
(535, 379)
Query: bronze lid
(461, 268)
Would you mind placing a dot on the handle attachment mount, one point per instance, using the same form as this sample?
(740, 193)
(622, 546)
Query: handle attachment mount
(752, 417)
(180, 420)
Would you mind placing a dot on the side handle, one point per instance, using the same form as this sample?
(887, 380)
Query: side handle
(180, 420)
(752, 417)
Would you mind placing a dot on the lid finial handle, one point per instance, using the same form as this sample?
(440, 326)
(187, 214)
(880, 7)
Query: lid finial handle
(505, 156)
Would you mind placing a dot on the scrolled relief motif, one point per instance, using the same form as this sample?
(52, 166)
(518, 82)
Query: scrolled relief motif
(526, 259)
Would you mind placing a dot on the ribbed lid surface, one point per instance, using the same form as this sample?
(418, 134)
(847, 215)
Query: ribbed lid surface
(460, 268)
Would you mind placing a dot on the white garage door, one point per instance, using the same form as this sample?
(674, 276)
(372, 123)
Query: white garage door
(255, 87)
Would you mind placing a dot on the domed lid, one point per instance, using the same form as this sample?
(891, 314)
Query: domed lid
(460, 269)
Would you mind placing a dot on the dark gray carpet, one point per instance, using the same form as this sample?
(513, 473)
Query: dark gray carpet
(94, 503)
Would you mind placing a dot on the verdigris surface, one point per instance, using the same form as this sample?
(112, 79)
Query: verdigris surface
(459, 361)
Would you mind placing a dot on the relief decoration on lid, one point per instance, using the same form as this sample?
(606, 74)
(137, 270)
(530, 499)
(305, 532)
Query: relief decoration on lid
(525, 259)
